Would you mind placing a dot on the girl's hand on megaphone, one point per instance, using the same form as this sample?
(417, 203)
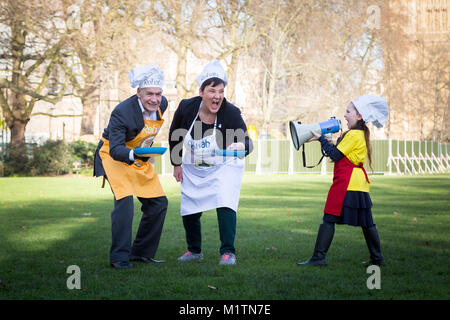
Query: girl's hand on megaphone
(315, 136)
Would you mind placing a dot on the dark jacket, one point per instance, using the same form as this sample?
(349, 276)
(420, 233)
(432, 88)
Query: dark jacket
(124, 125)
(228, 117)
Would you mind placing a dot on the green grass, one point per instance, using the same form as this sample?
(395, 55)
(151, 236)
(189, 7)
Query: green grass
(44, 229)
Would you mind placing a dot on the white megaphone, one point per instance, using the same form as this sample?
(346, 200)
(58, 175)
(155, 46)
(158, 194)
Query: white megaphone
(300, 133)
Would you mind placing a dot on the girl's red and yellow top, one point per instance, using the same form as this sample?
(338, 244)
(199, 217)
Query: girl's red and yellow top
(353, 146)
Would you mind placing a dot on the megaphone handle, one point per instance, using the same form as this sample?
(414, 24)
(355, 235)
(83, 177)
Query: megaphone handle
(304, 158)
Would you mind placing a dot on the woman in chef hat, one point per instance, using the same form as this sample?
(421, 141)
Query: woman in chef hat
(202, 126)
(348, 200)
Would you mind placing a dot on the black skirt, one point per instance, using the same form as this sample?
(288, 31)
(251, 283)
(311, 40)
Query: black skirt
(356, 210)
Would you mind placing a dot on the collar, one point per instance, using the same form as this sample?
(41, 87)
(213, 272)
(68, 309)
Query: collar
(145, 112)
(140, 105)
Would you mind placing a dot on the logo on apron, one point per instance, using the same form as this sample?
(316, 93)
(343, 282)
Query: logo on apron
(138, 179)
(202, 151)
(209, 181)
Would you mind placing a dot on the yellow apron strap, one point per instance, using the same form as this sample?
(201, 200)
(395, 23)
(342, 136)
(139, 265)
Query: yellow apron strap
(159, 112)
(103, 184)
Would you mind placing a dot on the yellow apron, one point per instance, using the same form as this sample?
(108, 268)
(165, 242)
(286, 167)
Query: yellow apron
(138, 179)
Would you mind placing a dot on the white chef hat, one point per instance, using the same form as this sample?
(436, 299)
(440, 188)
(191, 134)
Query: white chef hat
(372, 109)
(146, 77)
(212, 70)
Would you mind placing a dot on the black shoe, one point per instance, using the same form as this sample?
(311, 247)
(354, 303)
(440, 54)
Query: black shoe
(145, 259)
(323, 242)
(373, 244)
(371, 263)
(313, 261)
(122, 265)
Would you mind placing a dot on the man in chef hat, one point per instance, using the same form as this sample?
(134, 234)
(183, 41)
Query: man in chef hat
(134, 123)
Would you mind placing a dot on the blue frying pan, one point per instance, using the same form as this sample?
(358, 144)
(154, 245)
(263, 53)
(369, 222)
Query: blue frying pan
(230, 153)
(150, 151)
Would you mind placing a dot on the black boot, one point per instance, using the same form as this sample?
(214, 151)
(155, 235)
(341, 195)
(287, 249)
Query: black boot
(373, 244)
(323, 242)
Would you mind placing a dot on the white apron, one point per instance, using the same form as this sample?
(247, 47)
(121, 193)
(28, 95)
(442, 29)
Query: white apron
(209, 181)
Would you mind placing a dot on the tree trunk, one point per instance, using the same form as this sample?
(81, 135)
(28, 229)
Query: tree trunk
(232, 70)
(182, 88)
(17, 155)
(90, 98)
(17, 118)
(17, 128)
(271, 88)
(89, 102)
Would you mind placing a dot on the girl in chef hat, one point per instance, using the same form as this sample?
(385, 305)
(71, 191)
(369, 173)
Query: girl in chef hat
(348, 200)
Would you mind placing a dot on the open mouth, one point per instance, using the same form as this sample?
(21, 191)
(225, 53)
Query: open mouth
(215, 104)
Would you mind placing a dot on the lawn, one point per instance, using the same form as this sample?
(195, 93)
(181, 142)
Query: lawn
(49, 224)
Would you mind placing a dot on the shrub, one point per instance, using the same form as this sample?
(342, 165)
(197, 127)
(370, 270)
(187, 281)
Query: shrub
(84, 151)
(16, 160)
(52, 158)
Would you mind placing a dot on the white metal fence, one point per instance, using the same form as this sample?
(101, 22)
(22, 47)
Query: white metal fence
(388, 157)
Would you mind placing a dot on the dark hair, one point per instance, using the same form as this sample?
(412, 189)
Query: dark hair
(361, 125)
(215, 81)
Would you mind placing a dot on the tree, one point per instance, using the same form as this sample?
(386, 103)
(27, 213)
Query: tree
(285, 62)
(232, 30)
(100, 33)
(182, 26)
(279, 25)
(32, 47)
(309, 68)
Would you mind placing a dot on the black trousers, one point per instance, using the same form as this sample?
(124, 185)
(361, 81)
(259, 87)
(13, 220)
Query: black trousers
(149, 231)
